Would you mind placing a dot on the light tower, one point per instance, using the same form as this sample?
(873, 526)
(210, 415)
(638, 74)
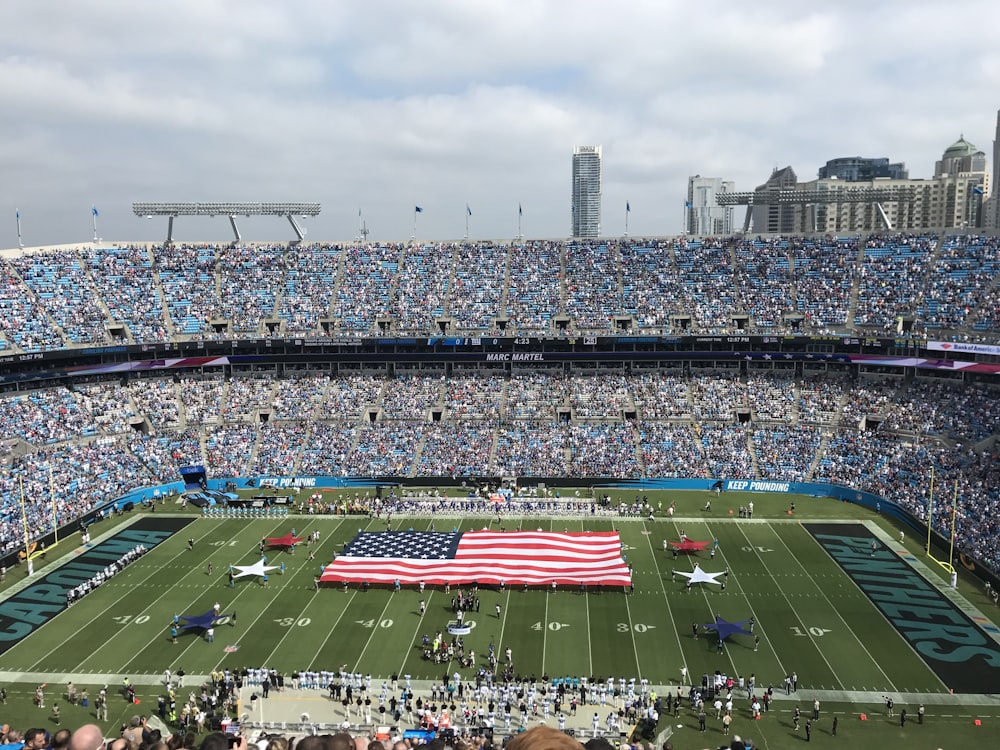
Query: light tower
(230, 210)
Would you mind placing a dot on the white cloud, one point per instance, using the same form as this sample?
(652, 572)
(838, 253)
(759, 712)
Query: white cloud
(386, 103)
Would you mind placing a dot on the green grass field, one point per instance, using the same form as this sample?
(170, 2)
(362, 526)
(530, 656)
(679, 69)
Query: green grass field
(812, 619)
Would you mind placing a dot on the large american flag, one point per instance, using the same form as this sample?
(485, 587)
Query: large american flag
(487, 557)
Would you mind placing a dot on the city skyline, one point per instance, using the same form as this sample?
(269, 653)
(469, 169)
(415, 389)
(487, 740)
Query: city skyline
(467, 110)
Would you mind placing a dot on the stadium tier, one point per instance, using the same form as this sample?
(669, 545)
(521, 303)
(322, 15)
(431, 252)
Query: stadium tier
(83, 445)
(144, 294)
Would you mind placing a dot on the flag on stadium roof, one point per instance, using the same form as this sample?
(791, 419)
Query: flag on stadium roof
(94, 211)
(468, 210)
(628, 207)
(486, 557)
(418, 209)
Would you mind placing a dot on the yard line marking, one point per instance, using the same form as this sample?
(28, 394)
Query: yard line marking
(187, 648)
(332, 629)
(635, 646)
(796, 613)
(704, 593)
(357, 664)
(381, 616)
(106, 611)
(861, 595)
(590, 648)
(420, 622)
(666, 600)
(837, 611)
(586, 599)
(503, 624)
(291, 628)
(545, 622)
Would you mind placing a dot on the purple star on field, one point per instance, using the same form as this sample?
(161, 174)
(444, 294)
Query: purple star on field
(204, 621)
(725, 628)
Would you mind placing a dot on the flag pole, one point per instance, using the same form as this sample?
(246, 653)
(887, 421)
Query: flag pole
(94, 214)
(468, 213)
(17, 214)
(628, 210)
(520, 213)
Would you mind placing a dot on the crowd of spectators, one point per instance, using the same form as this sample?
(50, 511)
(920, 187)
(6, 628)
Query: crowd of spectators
(125, 280)
(310, 279)
(363, 293)
(707, 283)
(592, 285)
(59, 282)
(476, 299)
(763, 282)
(99, 440)
(423, 287)
(785, 453)
(474, 395)
(88, 442)
(412, 395)
(249, 280)
(671, 451)
(727, 452)
(824, 275)
(892, 279)
(278, 448)
(53, 299)
(534, 284)
(599, 449)
(455, 449)
(478, 714)
(965, 270)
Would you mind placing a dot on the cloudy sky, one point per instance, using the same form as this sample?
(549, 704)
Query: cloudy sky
(381, 105)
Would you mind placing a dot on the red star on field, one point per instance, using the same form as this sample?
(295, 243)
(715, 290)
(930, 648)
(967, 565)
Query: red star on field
(284, 541)
(689, 545)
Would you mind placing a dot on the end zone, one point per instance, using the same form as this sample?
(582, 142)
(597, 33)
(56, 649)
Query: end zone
(954, 647)
(36, 604)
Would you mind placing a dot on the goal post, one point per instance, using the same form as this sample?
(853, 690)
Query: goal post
(948, 564)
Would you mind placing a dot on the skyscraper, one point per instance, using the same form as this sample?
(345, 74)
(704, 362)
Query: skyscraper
(991, 211)
(702, 212)
(586, 206)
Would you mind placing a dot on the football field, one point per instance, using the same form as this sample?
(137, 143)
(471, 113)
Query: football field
(811, 618)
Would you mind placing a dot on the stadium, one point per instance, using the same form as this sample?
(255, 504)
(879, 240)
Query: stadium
(723, 389)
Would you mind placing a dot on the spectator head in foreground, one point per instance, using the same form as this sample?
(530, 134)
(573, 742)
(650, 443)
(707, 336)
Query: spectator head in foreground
(543, 738)
(87, 737)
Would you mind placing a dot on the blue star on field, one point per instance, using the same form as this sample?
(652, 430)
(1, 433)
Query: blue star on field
(204, 621)
(725, 628)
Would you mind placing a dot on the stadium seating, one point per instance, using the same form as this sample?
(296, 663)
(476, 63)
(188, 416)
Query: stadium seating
(101, 439)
